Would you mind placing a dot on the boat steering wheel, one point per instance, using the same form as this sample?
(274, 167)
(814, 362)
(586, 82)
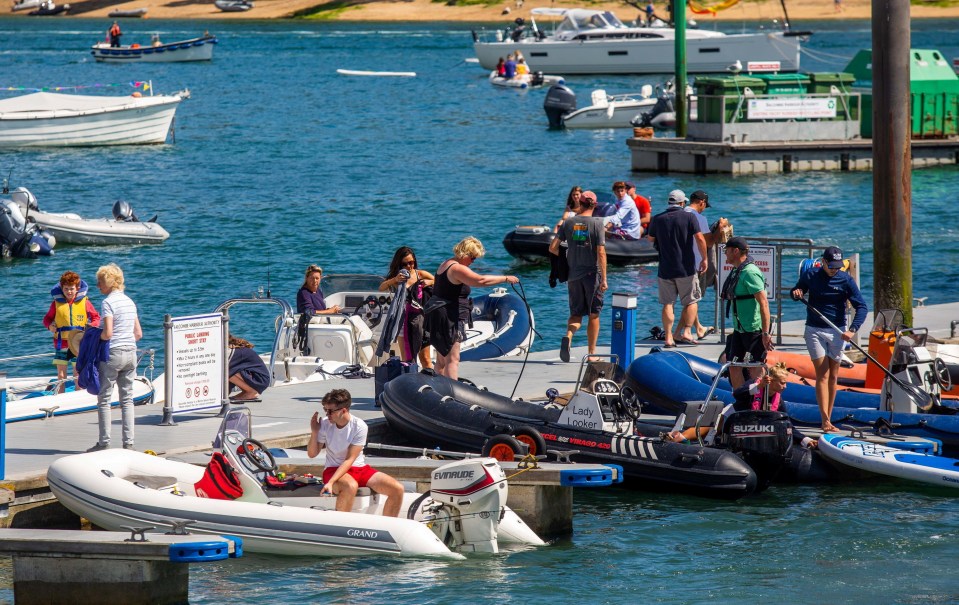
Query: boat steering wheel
(256, 454)
(941, 371)
(371, 311)
(629, 401)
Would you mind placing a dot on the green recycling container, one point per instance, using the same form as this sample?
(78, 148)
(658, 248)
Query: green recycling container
(720, 96)
(785, 84)
(823, 83)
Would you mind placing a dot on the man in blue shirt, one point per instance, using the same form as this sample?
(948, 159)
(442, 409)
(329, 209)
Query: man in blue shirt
(625, 224)
(829, 290)
(510, 66)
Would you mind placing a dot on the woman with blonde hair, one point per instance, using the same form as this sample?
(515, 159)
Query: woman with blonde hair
(121, 328)
(451, 308)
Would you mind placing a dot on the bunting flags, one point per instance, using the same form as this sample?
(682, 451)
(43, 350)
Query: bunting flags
(135, 84)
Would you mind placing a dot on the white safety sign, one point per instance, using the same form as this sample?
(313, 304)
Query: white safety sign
(764, 257)
(791, 108)
(195, 362)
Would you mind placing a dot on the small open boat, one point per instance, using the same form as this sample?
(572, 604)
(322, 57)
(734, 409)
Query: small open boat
(233, 6)
(194, 49)
(69, 228)
(49, 9)
(239, 494)
(385, 74)
(23, 5)
(131, 13)
(531, 80)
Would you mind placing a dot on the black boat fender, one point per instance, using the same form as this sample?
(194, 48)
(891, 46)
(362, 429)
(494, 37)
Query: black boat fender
(503, 447)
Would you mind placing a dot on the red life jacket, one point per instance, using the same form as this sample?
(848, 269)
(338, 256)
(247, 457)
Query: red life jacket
(220, 481)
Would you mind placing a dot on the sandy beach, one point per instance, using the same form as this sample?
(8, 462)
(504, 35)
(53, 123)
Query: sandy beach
(429, 10)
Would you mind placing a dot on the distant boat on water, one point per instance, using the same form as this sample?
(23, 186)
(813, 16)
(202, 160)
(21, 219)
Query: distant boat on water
(194, 49)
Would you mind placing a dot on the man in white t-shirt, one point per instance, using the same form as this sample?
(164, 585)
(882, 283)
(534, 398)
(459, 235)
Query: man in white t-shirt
(344, 435)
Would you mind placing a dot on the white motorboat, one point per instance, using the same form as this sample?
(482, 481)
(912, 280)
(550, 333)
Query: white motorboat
(69, 228)
(37, 397)
(194, 49)
(465, 510)
(46, 119)
(233, 6)
(595, 42)
(610, 111)
(532, 80)
(25, 5)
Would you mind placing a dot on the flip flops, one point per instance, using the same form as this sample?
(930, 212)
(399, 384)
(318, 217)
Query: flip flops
(564, 349)
(709, 330)
(686, 341)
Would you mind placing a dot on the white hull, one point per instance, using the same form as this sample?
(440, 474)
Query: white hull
(615, 115)
(890, 461)
(388, 74)
(294, 529)
(137, 121)
(644, 56)
(197, 49)
(524, 81)
(22, 407)
(76, 230)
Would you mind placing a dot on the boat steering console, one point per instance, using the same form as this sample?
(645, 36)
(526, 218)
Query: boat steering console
(372, 309)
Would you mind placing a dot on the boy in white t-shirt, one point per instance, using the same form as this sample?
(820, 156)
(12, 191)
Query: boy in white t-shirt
(344, 435)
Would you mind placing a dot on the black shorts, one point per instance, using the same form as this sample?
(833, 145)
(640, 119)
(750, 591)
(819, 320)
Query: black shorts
(741, 343)
(585, 297)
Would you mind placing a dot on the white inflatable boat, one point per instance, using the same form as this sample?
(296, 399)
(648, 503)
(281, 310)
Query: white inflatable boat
(465, 510)
(69, 228)
(533, 80)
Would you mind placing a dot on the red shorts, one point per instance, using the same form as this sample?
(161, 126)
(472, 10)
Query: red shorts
(362, 474)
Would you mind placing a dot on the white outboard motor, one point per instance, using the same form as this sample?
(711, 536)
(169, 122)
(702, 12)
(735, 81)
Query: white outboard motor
(560, 101)
(123, 212)
(466, 501)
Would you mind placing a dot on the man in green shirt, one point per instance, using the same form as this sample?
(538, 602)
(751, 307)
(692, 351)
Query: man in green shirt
(744, 290)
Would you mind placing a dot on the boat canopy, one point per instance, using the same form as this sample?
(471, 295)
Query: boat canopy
(50, 104)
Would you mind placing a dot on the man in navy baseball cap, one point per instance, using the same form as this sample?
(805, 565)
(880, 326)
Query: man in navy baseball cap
(832, 256)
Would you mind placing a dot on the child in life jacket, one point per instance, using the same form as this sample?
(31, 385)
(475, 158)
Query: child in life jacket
(69, 312)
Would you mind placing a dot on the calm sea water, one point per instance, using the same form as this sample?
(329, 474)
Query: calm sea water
(279, 162)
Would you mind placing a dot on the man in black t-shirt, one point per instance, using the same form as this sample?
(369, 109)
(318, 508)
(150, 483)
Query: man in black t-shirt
(674, 233)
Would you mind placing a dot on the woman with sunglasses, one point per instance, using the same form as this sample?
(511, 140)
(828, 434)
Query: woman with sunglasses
(309, 298)
(452, 309)
(404, 269)
(572, 205)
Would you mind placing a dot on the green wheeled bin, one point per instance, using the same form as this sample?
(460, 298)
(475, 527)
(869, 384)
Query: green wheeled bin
(719, 97)
(839, 83)
(785, 84)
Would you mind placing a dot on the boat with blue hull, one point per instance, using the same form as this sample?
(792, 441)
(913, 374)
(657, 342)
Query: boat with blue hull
(594, 424)
(194, 49)
(503, 325)
(667, 379)
(856, 455)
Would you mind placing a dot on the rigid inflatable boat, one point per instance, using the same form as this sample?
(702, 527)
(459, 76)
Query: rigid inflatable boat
(237, 494)
(69, 228)
(595, 425)
(532, 80)
(502, 326)
(667, 379)
(531, 243)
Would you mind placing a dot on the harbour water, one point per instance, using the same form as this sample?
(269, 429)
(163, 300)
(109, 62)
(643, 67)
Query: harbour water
(280, 162)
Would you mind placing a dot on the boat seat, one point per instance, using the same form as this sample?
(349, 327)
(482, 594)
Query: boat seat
(152, 481)
(599, 98)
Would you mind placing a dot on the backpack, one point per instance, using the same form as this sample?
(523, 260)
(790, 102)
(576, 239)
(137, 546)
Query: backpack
(728, 290)
(220, 480)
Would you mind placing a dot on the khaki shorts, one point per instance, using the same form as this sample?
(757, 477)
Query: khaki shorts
(686, 288)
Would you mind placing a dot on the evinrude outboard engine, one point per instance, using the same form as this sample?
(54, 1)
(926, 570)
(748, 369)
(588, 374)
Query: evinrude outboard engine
(123, 212)
(762, 439)
(662, 114)
(465, 504)
(560, 100)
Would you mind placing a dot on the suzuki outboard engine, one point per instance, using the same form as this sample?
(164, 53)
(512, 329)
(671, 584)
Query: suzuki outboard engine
(123, 212)
(466, 501)
(560, 100)
(763, 439)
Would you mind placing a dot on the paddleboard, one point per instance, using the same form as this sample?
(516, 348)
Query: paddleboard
(395, 74)
(890, 461)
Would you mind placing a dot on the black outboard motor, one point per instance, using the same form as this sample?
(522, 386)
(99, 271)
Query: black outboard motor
(665, 103)
(536, 78)
(762, 439)
(123, 212)
(560, 100)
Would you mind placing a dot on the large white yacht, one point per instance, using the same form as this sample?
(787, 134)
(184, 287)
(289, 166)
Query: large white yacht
(597, 42)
